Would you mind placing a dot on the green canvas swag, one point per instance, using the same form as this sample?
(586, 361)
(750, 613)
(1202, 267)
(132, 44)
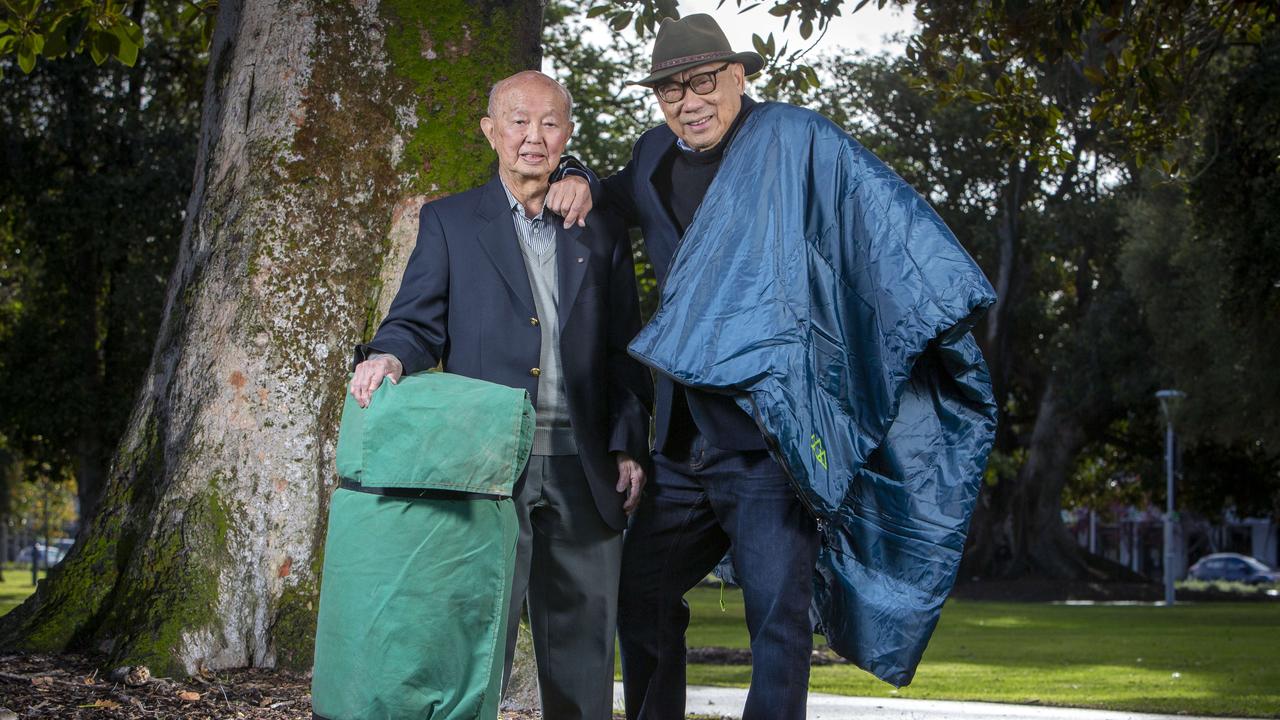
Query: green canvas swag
(416, 590)
(439, 431)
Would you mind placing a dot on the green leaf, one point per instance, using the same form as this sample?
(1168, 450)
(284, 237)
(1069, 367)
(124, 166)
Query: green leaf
(811, 75)
(1095, 75)
(594, 12)
(861, 4)
(758, 43)
(131, 30)
(56, 42)
(780, 10)
(749, 8)
(621, 20)
(26, 54)
(102, 46)
(770, 46)
(806, 29)
(128, 52)
(7, 42)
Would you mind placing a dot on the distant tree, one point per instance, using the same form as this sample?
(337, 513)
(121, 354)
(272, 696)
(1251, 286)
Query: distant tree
(98, 29)
(1046, 236)
(43, 504)
(95, 170)
(609, 114)
(1235, 198)
(1147, 60)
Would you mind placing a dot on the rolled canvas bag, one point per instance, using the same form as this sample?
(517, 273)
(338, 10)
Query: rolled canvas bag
(420, 551)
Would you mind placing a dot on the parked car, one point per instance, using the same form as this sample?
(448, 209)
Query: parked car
(48, 556)
(1233, 567)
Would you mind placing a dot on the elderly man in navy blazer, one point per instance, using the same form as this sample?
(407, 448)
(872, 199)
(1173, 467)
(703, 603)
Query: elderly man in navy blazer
(500, 289)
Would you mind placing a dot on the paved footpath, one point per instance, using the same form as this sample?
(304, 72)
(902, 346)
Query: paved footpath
(728, 702)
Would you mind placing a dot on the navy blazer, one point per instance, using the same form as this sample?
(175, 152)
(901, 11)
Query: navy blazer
(632, 195)
(465, 301)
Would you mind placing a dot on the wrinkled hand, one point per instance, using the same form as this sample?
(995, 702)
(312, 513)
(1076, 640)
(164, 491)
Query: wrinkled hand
(570, 198)
(369, 374)
(630, 481)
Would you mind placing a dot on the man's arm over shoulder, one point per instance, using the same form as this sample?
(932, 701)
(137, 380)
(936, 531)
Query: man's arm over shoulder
(415, 329)
(617, 192)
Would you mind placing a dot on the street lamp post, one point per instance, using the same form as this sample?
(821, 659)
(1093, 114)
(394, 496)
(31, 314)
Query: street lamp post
(1169, 400)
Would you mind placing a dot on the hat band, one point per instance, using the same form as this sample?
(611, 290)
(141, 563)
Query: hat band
(689, 59)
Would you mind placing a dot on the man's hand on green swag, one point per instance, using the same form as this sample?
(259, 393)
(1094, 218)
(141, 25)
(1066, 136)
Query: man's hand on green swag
(368, 376)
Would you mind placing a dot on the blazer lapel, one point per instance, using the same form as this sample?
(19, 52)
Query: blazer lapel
(497, 236)
(572, 257)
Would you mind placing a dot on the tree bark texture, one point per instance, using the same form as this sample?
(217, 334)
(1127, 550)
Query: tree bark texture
(325, 126)
(1017, 526)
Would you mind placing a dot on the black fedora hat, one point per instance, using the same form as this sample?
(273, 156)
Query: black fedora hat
(690, 41)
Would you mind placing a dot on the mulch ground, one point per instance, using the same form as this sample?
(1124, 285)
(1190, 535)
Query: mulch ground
(74, 687)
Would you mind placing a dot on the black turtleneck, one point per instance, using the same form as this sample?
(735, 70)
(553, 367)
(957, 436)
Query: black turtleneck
(683, 176)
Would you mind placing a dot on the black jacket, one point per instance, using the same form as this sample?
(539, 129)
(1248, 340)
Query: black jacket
(634, 195)
(465, 301)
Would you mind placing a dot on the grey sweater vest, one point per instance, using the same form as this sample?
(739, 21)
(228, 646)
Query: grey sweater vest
(553, 433)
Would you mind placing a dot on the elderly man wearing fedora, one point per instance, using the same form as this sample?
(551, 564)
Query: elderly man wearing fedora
(715, 485)
(823, 413)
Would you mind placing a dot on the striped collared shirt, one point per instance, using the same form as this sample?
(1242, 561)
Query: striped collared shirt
(538, 232)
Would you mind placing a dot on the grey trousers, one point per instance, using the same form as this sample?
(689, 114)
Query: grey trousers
(567, 566)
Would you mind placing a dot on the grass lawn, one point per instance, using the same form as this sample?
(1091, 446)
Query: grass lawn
(1209, 658)
(15, 588)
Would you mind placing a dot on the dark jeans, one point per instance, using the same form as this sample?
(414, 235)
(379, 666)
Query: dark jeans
(693, 511)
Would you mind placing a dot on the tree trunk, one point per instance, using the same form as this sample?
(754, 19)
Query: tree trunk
(1017, 528)
(1011, 268)
(325, 126)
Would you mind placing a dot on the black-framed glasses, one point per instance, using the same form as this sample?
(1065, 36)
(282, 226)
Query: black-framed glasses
(701, 84)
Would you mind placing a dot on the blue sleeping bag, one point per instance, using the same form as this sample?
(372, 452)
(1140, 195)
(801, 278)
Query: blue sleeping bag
(845, 332)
